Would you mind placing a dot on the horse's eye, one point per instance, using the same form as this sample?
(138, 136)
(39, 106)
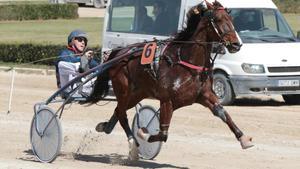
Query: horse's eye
(217, 19)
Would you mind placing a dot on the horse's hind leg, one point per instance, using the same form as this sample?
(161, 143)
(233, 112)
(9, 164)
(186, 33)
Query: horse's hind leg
(108, 126)
(126, 98)
(210, 100)
(125, 103)
(122, 116)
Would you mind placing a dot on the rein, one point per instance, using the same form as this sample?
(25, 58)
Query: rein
(46, 59)
(201, 69)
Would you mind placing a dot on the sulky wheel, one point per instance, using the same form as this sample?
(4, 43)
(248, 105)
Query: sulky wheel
(45, 135)
(147, 117)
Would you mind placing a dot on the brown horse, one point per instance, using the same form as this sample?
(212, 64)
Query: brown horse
(183, 76)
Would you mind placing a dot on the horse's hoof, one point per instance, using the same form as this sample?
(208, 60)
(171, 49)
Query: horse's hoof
(101, 126)
(246, 142)
(133, 150)
(143, 134)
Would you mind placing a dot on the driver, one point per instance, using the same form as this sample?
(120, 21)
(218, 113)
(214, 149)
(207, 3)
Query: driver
(74, 59)
(161, 23)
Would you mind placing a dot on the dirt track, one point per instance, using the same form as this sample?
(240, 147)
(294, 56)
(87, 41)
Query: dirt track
(90, 12)
(197, 138)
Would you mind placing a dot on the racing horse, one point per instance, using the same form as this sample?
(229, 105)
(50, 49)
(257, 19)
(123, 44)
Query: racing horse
(183, 77)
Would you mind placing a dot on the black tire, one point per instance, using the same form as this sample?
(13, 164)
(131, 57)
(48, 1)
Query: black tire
(46, 146)
(223, 89)
(146, 117)
(293, 99)
(99, 3)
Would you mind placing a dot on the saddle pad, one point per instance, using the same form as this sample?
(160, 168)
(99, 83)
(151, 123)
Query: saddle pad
(148, 53)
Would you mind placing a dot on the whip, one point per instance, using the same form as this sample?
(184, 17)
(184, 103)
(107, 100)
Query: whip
(12, 69)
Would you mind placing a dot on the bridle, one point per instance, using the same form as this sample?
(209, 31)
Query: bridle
(210, 14)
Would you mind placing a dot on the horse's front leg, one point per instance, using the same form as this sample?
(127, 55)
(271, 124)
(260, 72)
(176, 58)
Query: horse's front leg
(219, 111)
(166, 111)
(209, 99)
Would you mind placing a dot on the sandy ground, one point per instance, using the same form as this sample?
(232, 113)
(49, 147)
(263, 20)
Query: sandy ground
(90, 12)
(197, 139)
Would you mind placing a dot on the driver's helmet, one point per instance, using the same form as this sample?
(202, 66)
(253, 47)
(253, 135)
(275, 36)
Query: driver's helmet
(77, 33)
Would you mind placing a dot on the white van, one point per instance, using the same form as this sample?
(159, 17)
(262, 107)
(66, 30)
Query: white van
(268, 62)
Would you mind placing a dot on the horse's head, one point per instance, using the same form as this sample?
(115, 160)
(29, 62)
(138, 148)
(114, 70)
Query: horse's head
(219, 23)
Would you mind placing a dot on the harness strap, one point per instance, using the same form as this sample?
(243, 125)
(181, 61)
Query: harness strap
(199, 69)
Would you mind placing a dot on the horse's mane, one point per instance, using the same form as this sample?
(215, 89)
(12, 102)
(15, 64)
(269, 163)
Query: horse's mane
(217, 4)
(191, 25)
(193, 19)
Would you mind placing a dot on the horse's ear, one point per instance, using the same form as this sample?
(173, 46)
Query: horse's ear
(217, 4)
(201, 7)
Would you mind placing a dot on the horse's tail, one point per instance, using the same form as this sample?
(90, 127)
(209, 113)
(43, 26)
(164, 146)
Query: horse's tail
(100, 89)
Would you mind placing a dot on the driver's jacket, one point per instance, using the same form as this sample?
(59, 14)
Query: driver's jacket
(69, 55)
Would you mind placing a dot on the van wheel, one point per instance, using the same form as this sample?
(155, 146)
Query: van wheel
(223, 89)
(291, 99)
(99, 4)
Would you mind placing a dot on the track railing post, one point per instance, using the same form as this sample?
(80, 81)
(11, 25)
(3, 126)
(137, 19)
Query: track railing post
(11, 89)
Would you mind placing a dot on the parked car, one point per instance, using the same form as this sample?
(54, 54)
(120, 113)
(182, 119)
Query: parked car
(268, 62)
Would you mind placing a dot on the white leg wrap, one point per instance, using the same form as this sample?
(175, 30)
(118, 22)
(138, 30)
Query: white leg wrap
(133, 150)
(141, 134)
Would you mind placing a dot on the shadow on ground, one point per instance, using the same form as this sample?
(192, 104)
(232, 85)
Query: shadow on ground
(113, 159)
(116, 159)
(258, 102)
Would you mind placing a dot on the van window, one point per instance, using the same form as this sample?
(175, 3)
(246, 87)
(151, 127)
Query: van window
(269, 19)
(261, 25)
(122, 19)
(156, 17)
(121, 15)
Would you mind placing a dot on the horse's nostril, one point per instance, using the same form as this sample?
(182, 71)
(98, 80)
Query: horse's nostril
(234, 47)
(237, 44)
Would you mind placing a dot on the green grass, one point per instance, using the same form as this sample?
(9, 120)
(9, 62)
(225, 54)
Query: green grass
(23, 1)
(50, 31)
(56, 31)
(3, 2)
(294, 21)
